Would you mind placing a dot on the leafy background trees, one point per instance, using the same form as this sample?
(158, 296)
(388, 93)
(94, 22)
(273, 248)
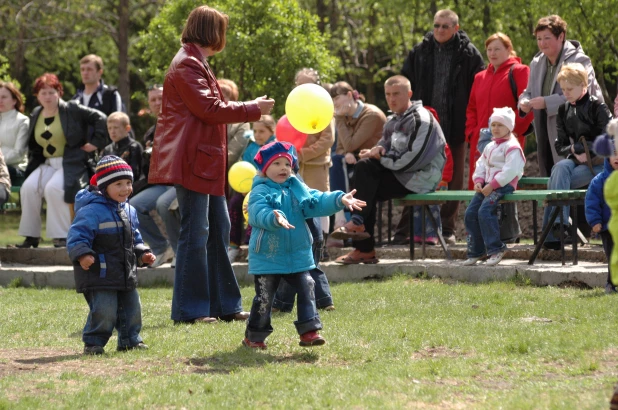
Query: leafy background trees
(361, 41)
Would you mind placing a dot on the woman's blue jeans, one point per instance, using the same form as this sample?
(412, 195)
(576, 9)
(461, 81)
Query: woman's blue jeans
(482, 224)
(284, 297)
(109, 309)
(259, 324)
(157, 197)
(566, 174)
(204, 281)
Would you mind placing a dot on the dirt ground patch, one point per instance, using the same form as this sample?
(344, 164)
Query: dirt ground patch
(55, 362)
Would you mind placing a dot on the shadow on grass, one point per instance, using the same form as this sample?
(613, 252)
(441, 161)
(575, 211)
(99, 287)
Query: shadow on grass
(228, 362)
(49, 359)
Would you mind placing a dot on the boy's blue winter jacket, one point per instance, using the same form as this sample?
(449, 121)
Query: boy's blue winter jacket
(276, 250)
(597, 211)
(102, 228)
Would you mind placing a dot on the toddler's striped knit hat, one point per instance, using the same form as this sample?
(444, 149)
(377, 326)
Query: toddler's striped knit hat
(110, 169)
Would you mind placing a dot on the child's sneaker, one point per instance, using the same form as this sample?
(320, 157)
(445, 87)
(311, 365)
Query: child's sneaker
(312, 338)
(93, 350)
(139, 346)
(495, 258)
(253, 345)
(430, 240)
(472, 261)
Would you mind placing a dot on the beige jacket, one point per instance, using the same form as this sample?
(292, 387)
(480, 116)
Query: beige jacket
(316, 150)
(236, 142)
(364, 132)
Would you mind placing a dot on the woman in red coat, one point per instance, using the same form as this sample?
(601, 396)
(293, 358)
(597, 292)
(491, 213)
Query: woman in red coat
(190, 152)
(492, 89)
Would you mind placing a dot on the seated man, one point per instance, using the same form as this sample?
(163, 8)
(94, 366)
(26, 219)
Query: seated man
(409, 158)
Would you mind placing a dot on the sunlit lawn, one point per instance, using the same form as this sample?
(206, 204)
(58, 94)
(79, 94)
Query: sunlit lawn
(399, 343)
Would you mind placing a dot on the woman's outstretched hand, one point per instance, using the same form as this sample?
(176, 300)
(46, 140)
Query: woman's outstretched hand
(282, 221)
(353, 203)
(266, 104)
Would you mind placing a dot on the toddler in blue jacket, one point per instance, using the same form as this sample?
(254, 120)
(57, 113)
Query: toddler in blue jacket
(597, 211)
(105, 246)
(280, 244)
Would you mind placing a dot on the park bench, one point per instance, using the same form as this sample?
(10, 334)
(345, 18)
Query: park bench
(9, 204)
(523, 183)
(558, 199)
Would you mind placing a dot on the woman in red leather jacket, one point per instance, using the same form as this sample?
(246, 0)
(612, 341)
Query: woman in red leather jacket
(190, 152)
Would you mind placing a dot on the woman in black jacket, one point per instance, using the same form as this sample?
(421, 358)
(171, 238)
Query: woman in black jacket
(59, 160)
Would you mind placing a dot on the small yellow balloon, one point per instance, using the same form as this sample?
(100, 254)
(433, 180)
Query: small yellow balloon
(241, 176)
(309, 108)
(245, 207)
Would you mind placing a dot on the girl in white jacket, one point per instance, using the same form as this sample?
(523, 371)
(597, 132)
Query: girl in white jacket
(497, 172)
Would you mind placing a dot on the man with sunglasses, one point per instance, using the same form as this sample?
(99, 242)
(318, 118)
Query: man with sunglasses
(441, 70)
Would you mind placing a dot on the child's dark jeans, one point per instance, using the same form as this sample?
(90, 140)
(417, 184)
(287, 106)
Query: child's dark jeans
(109, 309)
(259, 324)
(237, 219)
(284, 297)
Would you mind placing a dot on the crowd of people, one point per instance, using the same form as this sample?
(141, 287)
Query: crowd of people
(444, 101)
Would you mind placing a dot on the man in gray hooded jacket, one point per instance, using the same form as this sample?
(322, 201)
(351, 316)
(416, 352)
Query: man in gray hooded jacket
(409, 158)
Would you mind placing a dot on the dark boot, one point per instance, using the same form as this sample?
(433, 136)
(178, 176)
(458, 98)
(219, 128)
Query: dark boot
(29, 242)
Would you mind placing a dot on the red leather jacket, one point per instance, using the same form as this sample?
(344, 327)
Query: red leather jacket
(190, 143)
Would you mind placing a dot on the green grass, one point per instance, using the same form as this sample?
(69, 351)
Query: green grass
(398, 343)
(9, 225)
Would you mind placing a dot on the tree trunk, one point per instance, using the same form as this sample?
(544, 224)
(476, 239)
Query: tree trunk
(124, 87)
(371, 60)
(18, 65)
(322, 12)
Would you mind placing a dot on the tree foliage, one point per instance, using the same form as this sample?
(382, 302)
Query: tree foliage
(372, 37)
(267, 42)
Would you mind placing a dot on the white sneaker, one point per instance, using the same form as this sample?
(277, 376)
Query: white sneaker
(163, 258)
(232, 253)
(471, 261)
(495, 258)
(173, 264)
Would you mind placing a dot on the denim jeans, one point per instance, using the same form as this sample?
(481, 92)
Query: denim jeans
(284, 297)
(204, 281)
(337, 173)
(482, 225)
(259, 326)
(566, 174)
(109, 309)
(157, 197)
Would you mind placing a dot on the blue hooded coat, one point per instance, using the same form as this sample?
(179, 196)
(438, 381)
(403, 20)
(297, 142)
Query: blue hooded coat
(272, 248)
(597, 211)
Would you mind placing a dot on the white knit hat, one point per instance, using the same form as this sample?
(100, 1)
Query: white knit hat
(504, 116)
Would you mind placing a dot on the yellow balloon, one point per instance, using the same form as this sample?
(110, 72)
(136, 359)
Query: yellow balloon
(245, 207)
(241, 176)
(309, 108)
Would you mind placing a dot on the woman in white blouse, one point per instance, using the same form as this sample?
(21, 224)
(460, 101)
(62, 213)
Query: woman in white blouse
(13, 131)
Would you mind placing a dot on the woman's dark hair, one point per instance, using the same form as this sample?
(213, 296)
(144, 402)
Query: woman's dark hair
(19, 104)
(47, 80)
(206, 27)
(342, 88)
(553, 23)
